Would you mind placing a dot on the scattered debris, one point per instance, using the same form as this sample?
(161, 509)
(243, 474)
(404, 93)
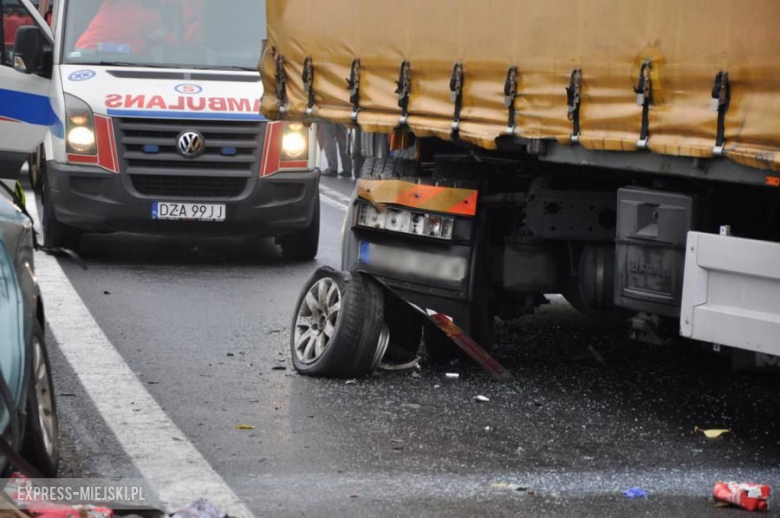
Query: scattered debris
(452, 376)
(351, 382)
(230, 355)
(279, 368)
(635, 492)
(507, 486)
(481, 399)
(712, 434)
(106, 293)
(411, 406)
(414, 364)
(753, 497)
(437, 386)
(488, 429)
(244, 427)
(397, 441)
(200, 509)
(416, 375)
(153, 382)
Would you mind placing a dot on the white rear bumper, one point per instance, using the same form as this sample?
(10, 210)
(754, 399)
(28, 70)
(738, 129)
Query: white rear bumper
(731, 292)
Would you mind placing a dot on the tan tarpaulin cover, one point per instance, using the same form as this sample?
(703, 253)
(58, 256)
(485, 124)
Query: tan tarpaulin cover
(687, 41)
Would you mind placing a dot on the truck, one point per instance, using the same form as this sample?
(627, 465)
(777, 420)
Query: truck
(623, 154)
(158, 127)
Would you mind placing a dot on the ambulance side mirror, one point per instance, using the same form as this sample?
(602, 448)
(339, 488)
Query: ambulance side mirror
(32, 52)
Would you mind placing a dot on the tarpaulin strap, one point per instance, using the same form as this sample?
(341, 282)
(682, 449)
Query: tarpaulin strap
(573, 94)
(456, 95)
(308, 84)
(644, 98)
(404, 90)
(510, 95)
(448, 200)
(353, 84)
(721, 98)
(281, 83)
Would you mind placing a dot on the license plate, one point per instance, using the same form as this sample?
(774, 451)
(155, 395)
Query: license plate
(412, 262)
(188, 211)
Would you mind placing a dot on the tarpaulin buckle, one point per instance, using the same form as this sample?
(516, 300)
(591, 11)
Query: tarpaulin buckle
(721, 98)
(353, 84)
(573, 94)
(644, 98)
(281, 84)
(404, 90)
(510, 95)
(456, 94)
(308, 84)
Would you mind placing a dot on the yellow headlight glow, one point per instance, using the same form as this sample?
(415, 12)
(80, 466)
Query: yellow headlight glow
(81, 139)
(294, 144)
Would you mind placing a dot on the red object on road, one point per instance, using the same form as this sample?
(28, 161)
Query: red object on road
(753, 497)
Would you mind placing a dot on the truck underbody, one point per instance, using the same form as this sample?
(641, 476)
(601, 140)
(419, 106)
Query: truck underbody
(612, 241)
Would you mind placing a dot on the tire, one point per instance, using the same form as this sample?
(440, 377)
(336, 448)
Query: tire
(389, 168)
(357, 336)
(304, 244)
(41, 445)
(56, 234)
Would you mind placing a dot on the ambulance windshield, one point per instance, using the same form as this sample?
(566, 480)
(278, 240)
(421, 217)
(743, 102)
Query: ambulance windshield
(201, 34)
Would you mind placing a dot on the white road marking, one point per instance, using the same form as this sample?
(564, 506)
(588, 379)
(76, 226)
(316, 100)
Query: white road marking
(334, 198)
(160, 451)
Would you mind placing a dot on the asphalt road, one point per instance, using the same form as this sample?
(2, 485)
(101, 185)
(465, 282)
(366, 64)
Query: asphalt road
(205, 326)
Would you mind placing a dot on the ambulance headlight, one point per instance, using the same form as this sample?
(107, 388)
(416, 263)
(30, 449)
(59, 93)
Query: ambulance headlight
(80, 127)
(81, 139)
(295, 143)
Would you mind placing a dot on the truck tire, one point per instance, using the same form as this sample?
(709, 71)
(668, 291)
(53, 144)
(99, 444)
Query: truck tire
(338, 328)
(389, 169)
(56, 234)
(41, 445)
(304, 244)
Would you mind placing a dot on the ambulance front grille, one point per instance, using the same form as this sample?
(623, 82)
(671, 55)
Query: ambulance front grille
(148, 147)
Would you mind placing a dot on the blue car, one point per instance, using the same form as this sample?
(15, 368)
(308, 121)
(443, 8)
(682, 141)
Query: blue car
(28, 413)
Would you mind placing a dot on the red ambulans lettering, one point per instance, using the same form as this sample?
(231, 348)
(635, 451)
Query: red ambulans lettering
(182, 103)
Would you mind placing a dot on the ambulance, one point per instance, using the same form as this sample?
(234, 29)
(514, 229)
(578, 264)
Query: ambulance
(156, 126)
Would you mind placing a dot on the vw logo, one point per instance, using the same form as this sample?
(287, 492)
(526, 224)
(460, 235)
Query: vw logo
(189, 89)
(191, 144)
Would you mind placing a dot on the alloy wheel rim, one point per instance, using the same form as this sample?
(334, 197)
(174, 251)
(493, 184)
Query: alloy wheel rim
(44, 397)
(315, 324)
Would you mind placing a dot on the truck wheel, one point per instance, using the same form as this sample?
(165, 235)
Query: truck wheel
(389, 168)
(56, 234)
(304, 244)
(41, 445)
(338, 329)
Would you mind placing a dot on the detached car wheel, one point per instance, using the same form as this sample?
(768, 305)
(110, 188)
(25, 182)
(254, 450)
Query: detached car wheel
(304, 244)
(338, 329)
(41, 444)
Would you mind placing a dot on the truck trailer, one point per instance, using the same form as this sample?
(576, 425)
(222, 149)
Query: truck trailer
(624, 154)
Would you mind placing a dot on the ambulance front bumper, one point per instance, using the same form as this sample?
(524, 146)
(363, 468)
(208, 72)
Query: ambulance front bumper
(94, 200)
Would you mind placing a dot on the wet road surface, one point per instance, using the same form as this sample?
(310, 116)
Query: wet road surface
(205, 326)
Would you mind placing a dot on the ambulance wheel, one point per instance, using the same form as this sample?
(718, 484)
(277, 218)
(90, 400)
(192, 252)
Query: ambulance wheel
(41, 444)
(56, 234)
(338, 329)
(304, 244)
